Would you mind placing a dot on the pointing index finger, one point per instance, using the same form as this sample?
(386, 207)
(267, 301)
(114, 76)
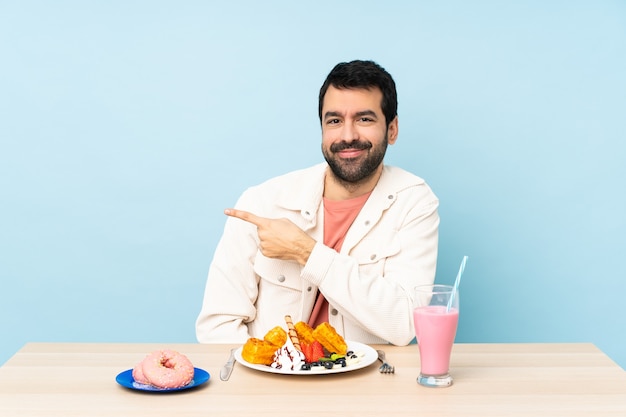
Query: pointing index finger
(246, 216)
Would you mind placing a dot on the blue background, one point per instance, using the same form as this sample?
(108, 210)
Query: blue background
(127, 126)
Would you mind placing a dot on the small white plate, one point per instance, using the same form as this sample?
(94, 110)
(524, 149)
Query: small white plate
(369, 357)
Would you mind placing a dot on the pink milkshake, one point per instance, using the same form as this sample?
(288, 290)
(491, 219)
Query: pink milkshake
(436, 316)
(435, 330)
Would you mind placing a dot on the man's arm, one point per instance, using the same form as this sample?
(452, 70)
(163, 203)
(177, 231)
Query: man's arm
(231, 287)
(278, 238)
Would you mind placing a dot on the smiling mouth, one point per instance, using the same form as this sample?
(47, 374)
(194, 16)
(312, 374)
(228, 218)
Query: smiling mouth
(350, 153)
(352, 147)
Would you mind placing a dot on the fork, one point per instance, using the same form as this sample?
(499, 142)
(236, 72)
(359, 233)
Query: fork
(385, 368)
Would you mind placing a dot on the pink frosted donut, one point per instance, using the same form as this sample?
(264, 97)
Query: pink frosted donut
(167, 369)
(138, 375)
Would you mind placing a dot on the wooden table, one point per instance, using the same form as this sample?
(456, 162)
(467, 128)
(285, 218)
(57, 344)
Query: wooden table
(78, 379)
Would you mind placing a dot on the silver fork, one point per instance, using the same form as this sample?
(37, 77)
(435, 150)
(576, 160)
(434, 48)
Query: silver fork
(385, 368)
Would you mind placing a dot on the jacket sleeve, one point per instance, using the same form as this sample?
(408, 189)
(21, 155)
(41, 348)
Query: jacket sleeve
(231, 287)
(372, 285)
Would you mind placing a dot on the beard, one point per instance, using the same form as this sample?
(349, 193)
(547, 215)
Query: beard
(355, 170)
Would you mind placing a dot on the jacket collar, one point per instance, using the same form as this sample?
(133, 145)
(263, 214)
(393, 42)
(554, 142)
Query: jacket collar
(304, 190)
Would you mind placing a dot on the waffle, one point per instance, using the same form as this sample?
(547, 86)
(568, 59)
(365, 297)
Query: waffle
(330, 339)
(258, 351)
(277, 336)
(262, 351)
(305, 332)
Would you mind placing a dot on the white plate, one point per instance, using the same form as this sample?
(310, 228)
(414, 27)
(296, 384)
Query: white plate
(368, 358)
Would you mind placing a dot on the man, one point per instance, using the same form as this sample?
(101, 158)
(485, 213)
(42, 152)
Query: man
(344, 241)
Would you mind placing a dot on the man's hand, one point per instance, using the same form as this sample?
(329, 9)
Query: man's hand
(279, 238)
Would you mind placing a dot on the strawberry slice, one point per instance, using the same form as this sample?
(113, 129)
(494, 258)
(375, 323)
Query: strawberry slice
(307, 349)
(317, 351)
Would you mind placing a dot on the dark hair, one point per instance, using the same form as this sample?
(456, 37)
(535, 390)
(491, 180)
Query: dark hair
(363, 74)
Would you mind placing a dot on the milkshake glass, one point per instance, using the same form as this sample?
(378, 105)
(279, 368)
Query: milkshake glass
(435, 316)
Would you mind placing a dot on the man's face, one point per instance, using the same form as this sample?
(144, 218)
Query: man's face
(354, 132)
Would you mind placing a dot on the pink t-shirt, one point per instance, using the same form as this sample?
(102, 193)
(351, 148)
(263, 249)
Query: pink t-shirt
(338, 217)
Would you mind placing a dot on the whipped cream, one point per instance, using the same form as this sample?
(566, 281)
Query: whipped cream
(288, 357)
